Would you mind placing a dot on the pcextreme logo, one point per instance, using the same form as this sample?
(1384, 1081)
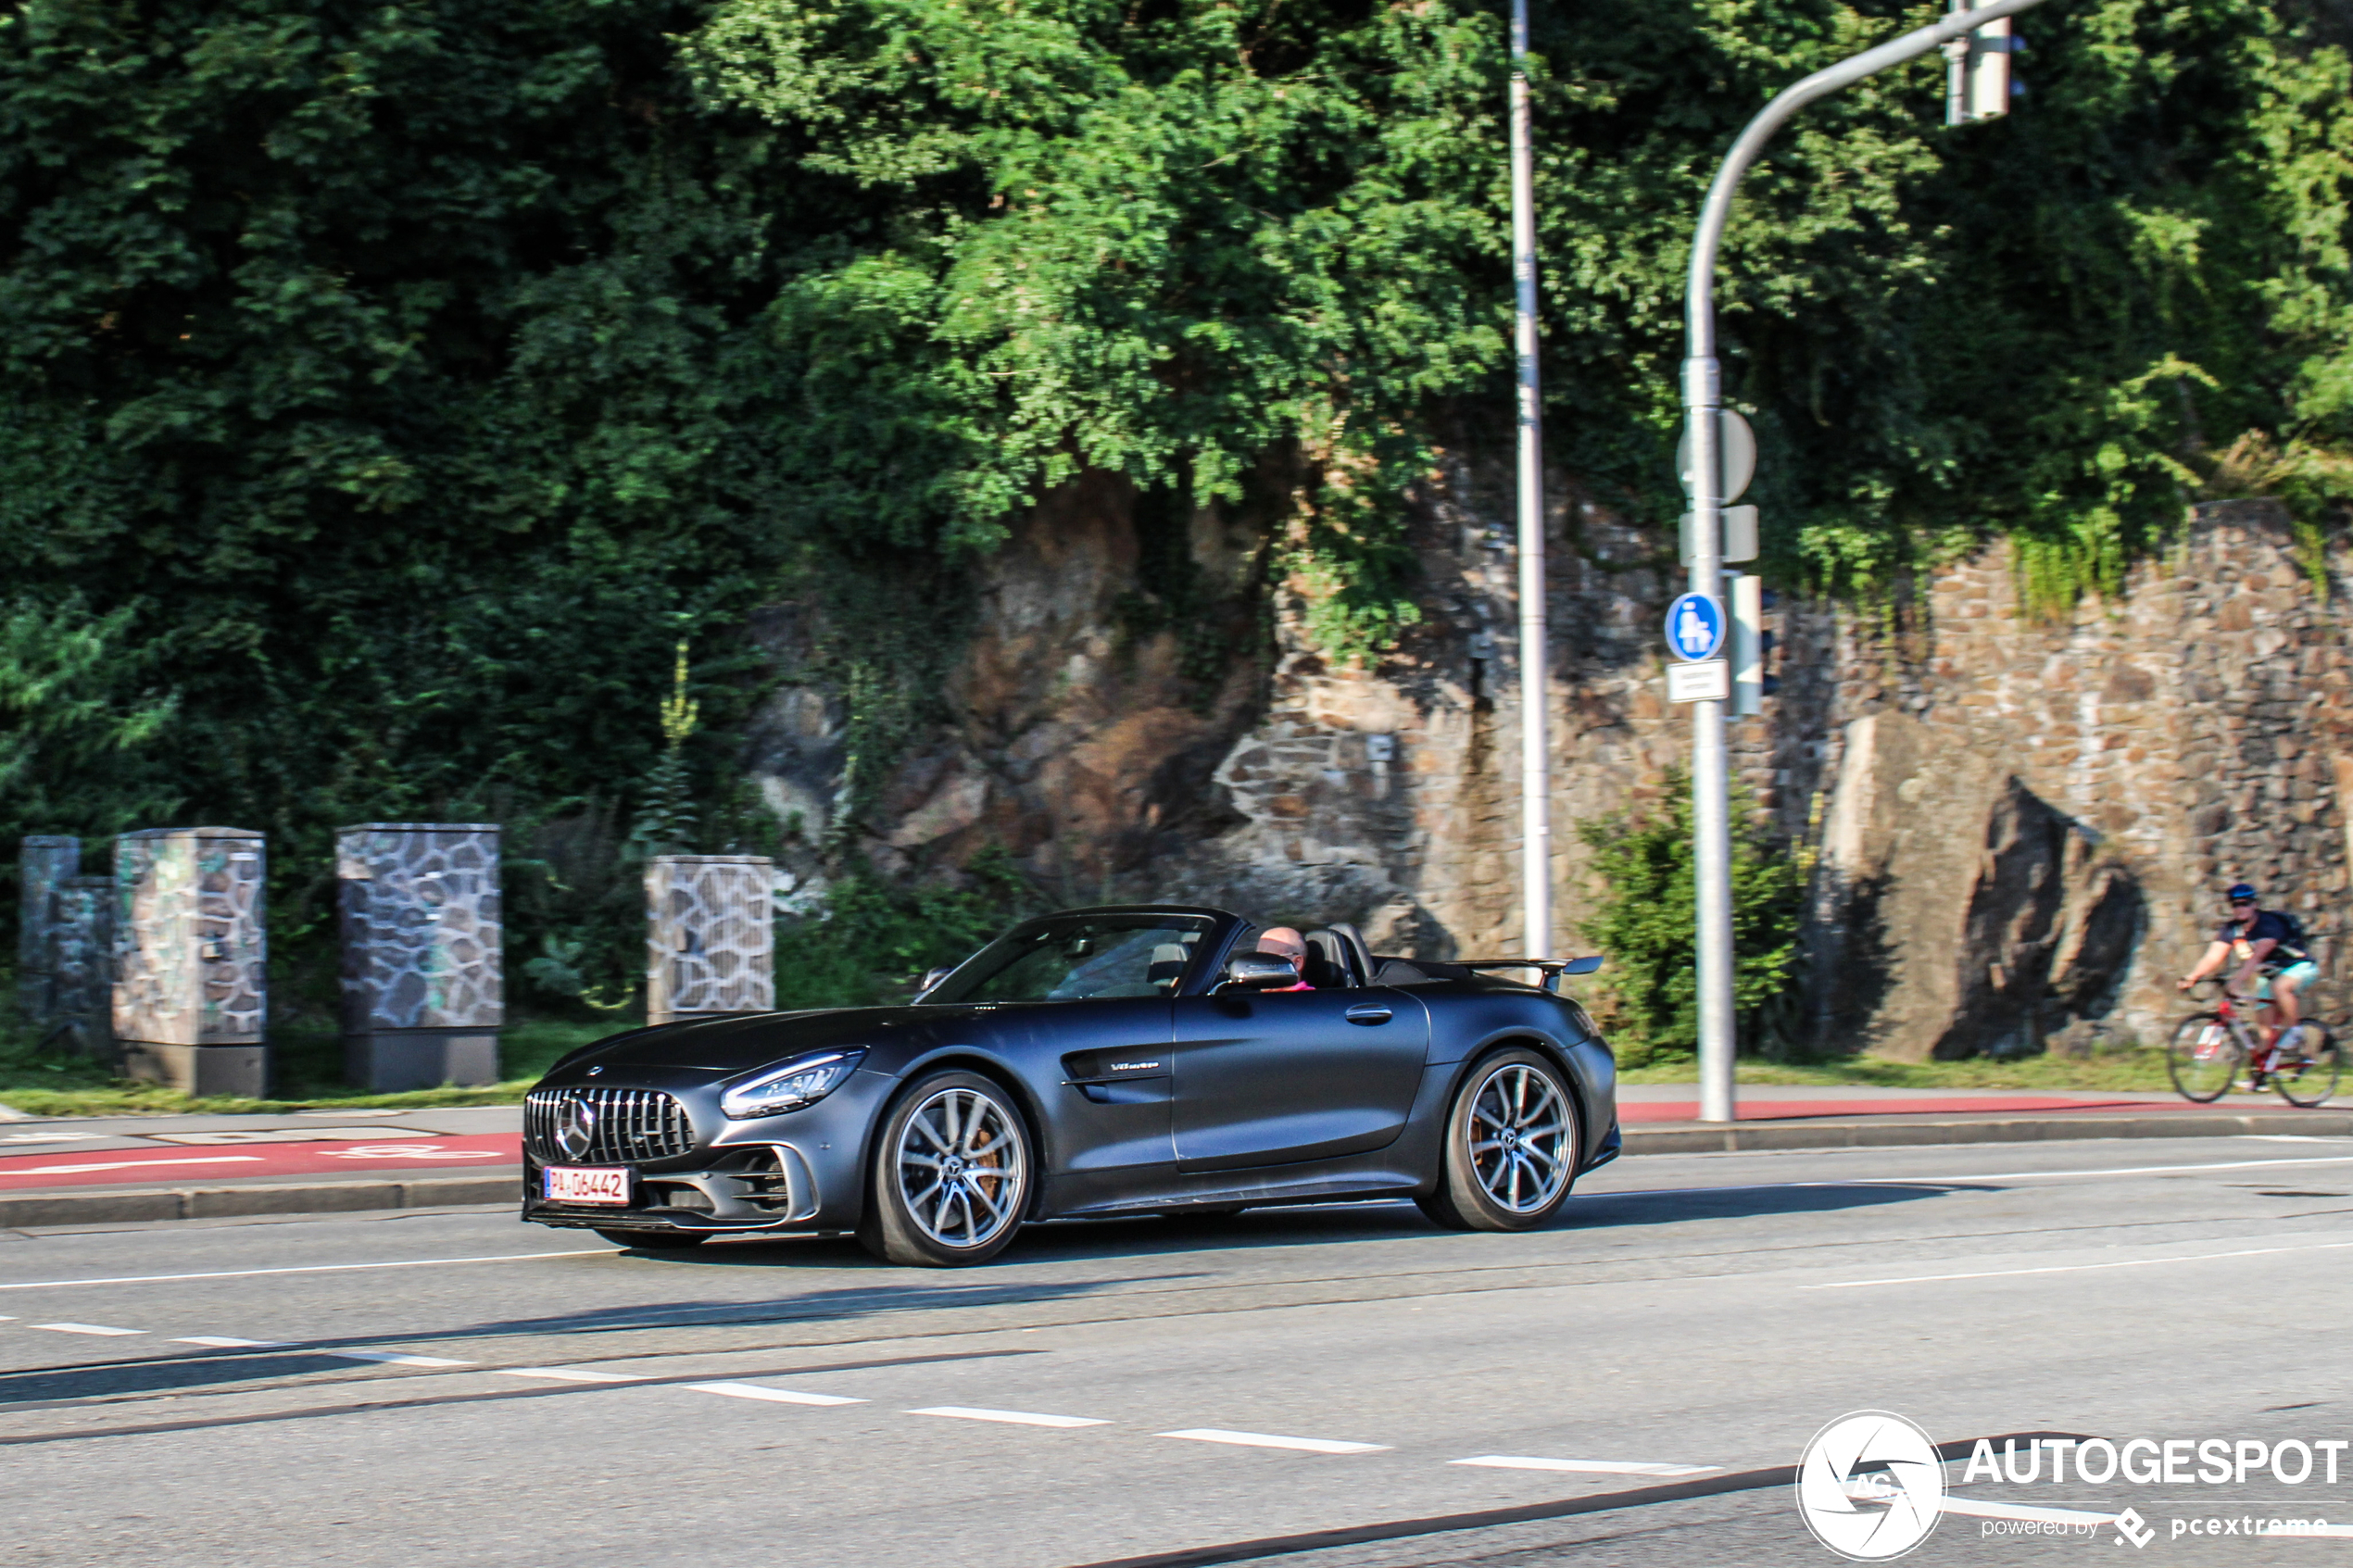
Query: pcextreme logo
(1870, 1486)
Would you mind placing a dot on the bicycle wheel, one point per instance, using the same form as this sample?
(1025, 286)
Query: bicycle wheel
(2308, 1076)
(2203, 1058)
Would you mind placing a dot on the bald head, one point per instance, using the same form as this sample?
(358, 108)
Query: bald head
(1282, 942)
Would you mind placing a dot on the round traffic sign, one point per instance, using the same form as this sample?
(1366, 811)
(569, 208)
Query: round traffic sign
(1739, 445)
(1694, 627)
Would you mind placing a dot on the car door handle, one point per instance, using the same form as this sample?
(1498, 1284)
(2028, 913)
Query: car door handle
(1369, 1014)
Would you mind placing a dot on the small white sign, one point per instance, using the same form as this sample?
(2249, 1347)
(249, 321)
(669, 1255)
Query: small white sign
(1706, 680)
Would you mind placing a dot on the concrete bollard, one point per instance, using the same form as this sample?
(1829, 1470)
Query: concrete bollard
(191, 990)
(710, 940)
(423, 980)
(45, 863)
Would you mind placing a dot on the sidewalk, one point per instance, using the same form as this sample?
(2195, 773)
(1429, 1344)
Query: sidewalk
(104, 1171)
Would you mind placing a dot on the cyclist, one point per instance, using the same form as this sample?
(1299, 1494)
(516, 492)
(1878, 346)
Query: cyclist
(2273, 962)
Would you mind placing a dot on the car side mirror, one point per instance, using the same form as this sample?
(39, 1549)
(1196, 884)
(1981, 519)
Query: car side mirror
(1582, 966)
(1259, 971)
(933, 977)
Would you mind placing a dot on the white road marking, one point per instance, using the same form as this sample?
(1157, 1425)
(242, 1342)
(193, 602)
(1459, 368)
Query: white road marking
(284, 1135)
(129, 1165)
(1261, 1440)
(566, 1374)
(1018, 1418)
(87, 1328)
(2081, 1268)
(219, 1342)
(1970, 1509)
(392, 1358)
(1585, 1466)
(1974, 1176)
(775, 1396)
(308, 1268)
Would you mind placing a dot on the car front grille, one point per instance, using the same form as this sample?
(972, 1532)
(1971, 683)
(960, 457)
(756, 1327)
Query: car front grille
(623, 1126)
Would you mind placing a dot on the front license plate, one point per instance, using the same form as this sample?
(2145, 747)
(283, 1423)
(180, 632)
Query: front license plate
(588, 1183)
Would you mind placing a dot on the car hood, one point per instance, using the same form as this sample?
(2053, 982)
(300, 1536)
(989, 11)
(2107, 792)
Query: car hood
(738, 1044)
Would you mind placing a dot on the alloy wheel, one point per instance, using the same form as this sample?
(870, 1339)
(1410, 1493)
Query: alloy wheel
(1518, 1131)
(960, 1168)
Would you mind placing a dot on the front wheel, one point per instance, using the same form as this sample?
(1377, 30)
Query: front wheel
(2307, 1074)
(950, 1176)
(1511, 1146)
(2203, 1058)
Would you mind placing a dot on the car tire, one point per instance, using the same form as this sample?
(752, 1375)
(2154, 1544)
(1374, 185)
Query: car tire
(1512, 1144)
(949, 1180)
(657, 1241)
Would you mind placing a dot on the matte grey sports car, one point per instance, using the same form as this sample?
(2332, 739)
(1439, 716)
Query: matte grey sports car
(1127, 1060)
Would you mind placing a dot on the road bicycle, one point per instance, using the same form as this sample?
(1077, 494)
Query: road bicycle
(2210, 1050)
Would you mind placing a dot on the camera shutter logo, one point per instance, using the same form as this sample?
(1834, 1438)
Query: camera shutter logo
(1871, 1486)
(575, 1127)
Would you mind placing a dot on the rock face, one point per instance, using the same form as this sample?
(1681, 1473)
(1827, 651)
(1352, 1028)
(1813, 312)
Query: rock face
(2021, 826)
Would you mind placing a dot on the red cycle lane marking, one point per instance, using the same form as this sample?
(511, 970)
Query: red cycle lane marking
(481, 1151)
(1774, 1110)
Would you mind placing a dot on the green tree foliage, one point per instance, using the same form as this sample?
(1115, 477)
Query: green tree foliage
(1646, 915)
(391, 385)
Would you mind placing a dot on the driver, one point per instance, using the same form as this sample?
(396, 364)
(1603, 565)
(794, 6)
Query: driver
(1282, 942)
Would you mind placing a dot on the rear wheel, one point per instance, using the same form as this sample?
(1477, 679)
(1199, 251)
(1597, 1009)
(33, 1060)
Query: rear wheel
(657, 1241)
(1511, 1146)
(951, 1177)
(2306, 1072)
(2203, 1058)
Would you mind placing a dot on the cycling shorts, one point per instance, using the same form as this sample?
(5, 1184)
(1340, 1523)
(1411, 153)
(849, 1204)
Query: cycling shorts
(2300, 973)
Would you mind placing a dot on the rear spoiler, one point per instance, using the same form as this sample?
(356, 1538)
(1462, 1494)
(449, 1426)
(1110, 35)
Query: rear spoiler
(1554, 968)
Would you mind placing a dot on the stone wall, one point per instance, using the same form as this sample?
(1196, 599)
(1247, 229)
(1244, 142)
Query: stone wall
(2021, 826)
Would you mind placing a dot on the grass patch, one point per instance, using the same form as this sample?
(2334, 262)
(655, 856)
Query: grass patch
(2117, 1072)
(306, 1064)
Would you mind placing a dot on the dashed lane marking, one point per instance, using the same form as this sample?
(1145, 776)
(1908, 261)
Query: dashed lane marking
(222, 1342)
(1262, 1440)
(565, 1373)
(1584, 1467)
(393, 1358)
(306, 1268)
(87, 1328)
(1016, 1418)
(774, 1395)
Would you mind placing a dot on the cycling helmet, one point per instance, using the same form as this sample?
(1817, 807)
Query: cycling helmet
(2240, 891)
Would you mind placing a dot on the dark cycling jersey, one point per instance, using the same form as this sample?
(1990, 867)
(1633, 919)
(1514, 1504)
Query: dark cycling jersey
(2241, 937)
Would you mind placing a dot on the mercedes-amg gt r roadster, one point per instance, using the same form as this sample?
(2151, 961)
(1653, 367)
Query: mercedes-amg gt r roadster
(1110, 1061)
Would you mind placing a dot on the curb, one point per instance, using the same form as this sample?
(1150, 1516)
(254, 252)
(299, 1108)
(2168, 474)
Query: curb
(1752, 1136)
(121, 1207)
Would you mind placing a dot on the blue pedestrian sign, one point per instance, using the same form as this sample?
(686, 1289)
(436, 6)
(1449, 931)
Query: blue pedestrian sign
(1695, 626)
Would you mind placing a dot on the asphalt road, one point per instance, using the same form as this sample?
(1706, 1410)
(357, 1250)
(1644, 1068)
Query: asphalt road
(232, 1393)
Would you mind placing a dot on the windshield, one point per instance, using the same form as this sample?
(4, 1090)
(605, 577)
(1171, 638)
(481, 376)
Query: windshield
(1079, 956)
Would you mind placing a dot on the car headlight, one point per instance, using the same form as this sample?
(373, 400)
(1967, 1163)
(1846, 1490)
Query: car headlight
(803, 1081)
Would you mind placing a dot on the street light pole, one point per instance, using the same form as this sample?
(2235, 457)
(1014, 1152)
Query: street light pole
(1703, 401)
(1535, 760)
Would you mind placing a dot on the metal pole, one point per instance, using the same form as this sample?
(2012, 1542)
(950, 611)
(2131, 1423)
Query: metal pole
(1535, 765)
(1702, 397)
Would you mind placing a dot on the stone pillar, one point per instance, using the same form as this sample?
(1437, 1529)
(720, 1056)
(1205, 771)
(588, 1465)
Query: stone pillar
(191, 958)
(710, 941)
(45, 863)
(82, 961)
(424, 987)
